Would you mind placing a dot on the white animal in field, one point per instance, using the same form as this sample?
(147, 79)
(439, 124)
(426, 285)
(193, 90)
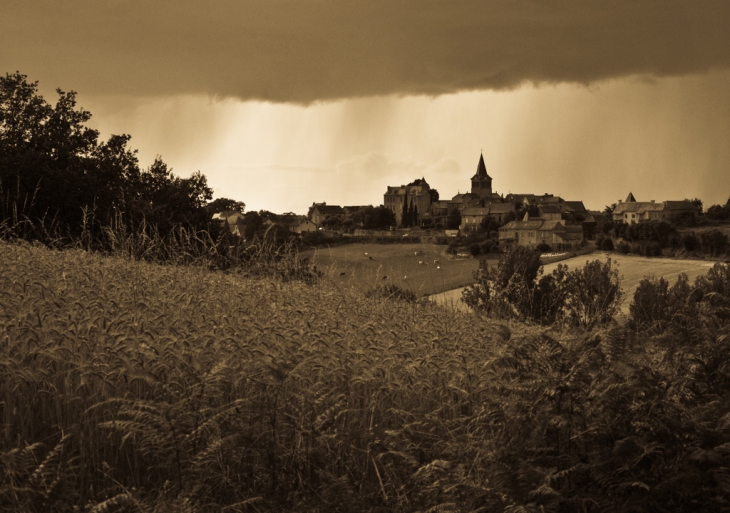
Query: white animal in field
(436, 261)
(420, 262)
(438, 267)
(366, 253)
(416, 253)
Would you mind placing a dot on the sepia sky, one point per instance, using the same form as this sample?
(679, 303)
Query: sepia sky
(281, 103)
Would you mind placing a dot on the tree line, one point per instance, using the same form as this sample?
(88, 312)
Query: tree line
(57, 173)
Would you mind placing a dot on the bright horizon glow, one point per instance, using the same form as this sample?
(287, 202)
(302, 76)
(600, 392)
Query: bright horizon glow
(663, 139)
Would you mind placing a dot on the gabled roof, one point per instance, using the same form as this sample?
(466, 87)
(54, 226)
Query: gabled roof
(354, 208)
(519, 198)
(532, 224)
(329, 210)
(491, 208)
(467, 196)
(550, 209)
(481, 169)
(630, 198)
(681, 205)
(553, 225)
(576, 207)
(548, 199)
(637, 206)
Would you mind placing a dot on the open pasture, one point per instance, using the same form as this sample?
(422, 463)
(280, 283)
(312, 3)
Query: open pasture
(422, 268)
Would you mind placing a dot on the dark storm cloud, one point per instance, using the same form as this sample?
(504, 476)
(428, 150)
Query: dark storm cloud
(302, 51)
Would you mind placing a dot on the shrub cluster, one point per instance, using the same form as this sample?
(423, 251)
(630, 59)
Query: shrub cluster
(585, 297)
(651, 238)
(657, 306)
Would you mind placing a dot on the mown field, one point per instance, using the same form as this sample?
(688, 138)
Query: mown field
(363, 266)
(632, 269)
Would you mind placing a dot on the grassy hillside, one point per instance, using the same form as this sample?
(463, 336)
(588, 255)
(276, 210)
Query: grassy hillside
(127, 386)
(363, 266)
(127, 379)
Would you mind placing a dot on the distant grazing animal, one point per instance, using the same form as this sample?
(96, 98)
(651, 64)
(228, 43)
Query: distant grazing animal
(385, 277)
(438, 267)
(370, 257)
(342, 274)
(416, 253)
(420, 262)
(366, 253)
(436, 261)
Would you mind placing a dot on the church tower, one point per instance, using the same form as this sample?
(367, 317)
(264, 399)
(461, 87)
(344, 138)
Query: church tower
(481, 183)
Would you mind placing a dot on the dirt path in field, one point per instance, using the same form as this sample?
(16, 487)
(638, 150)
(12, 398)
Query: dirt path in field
(632, 269)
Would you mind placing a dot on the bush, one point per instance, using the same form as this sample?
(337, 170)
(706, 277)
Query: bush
(594, 293)
(543, 248)
(655, 302)
(486, 246)
(607, 244)
(506, 291)
(623, 248)
(474, 249)
(713, 242)
(690, 241)
(391, 291)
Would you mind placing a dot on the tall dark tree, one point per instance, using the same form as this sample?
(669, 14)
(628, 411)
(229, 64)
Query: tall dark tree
(414, 219)
(54, 169)
(453, 221)
(225, 205)
(404, 214)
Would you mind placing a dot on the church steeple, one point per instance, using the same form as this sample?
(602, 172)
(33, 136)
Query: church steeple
(481, 182)
(481, 168)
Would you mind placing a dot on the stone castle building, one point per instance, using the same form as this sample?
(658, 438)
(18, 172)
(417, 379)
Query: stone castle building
(416, 193)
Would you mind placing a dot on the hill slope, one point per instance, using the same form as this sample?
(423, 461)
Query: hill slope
(134, 387)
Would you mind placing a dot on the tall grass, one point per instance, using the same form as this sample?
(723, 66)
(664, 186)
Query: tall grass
(139, 383)
(126, 385)
(215, 249)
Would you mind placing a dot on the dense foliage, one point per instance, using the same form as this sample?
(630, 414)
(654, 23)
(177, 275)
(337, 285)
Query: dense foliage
(132, 387)
(654, 238)
(516, 288)
(55, 173)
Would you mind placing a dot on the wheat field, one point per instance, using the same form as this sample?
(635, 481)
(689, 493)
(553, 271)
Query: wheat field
(135, 387)
(124, 380)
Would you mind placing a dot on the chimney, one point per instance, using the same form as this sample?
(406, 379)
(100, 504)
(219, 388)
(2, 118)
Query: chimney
(620, 201)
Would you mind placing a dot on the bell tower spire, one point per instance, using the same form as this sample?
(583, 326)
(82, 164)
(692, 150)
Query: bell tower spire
(481, 182)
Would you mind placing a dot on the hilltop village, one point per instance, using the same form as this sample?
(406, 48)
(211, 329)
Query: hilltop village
(526, 219)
